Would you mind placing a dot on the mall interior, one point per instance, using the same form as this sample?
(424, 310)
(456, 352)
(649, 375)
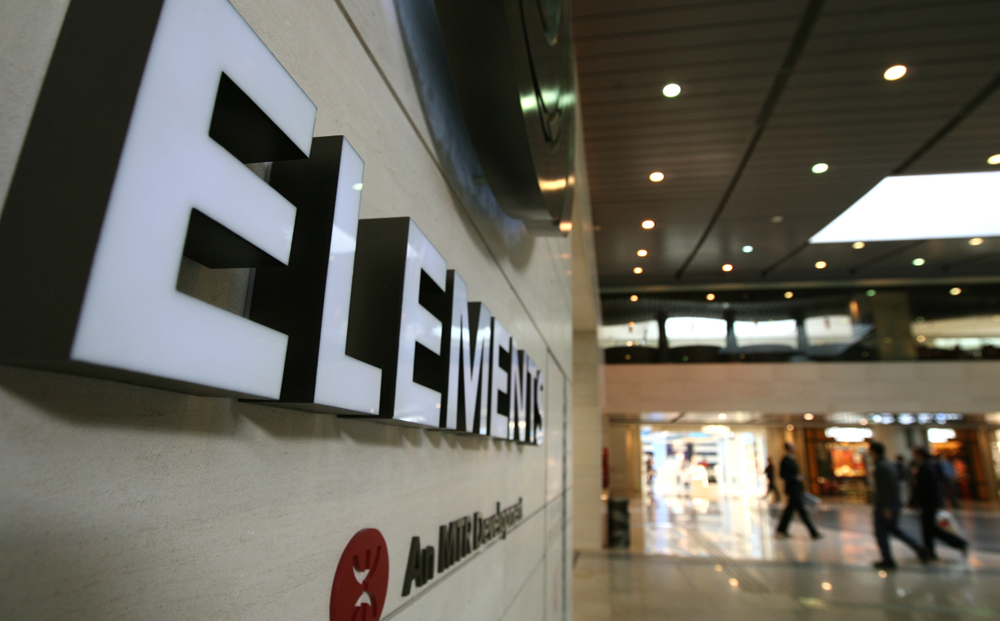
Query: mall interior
(554, 310)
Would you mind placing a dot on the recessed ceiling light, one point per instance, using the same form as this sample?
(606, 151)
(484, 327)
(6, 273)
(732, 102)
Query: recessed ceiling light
(820, 168)
(634, 298)
(642, 253)
(747, 249)
(727, 267)
(722, 416)
(637, 270)
(820, 265)
(710, 297)
(629, 343)
(777, 219)
(870, 293)
(955, 291)
(671, 90)
(565, 227)
(918, 261)
(858, 245)
(656, 177)
(648, 224)
(895, 72)
(826, 586)
(921, 338)
(808, 416)
(976, 241)
(911, 207)
(790, 427)
(993, 160)
(789, 295)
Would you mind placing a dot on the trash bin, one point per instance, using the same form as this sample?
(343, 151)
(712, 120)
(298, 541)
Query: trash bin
(618, 523)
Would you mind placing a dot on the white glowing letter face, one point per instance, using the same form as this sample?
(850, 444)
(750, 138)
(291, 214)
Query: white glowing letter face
(133, 317)
(468, 360)
(342, 381)
(499, 384)
(415, 403)
(518, 392)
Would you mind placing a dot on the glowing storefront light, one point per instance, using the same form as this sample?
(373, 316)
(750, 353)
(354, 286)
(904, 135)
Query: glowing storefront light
(937, 435)
(848, 434)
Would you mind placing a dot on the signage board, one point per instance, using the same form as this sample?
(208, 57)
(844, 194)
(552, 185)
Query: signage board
(136, 157)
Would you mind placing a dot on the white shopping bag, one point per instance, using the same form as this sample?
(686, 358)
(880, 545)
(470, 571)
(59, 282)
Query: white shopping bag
(948, 522)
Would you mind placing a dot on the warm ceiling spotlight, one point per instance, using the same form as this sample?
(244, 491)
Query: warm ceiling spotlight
(728, 267)
(808, 416)
(820, 265)
(629, 343)
(633, 298)
(918, 261)
(955, 291)
(789, 295)
(921, 338)
(637, 270)
(827, 586)
(993, 160)
(656, 177)
(565, 227)
(641, 253)
(858, 245)
(671, 90)
(710, 297)
(631, 324)
(863, 422)
(748, 249)
(734, 582)
(648, 224)
(790, 427)
(820, 168)
(777, 219)
(976, 241)
(722, 416)
(895, 72)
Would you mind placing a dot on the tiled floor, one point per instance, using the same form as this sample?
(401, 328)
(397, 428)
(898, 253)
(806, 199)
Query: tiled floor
(720, 561)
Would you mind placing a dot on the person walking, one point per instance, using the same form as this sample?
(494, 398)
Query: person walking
(794, 490)
(928, 497)
(771, 487)
(887, 508)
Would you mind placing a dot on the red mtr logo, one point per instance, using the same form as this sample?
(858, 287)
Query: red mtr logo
(362, 579)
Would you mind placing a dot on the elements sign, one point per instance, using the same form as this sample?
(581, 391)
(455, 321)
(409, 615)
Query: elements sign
(135, 158)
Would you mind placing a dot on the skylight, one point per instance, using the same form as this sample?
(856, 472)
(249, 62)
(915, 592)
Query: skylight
(921, 207)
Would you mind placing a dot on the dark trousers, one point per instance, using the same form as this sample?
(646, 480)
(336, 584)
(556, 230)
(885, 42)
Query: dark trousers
(795, 504)
(771, 487)
(932, 531)
(885, 526)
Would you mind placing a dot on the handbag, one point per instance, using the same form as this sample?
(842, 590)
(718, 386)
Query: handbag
(947, 522)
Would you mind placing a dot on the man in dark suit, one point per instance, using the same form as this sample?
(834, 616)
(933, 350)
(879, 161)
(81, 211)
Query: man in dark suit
(928, 496)
(789, 471)
(887, 508)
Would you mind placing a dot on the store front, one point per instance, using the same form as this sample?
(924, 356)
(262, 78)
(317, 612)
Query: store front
(702, 463)
(838, 461)
(962, 466)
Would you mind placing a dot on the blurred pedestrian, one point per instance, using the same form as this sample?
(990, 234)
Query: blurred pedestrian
(949, 482)
(794, 490)
(771, 487)
(903, 472)
(887, 508)
(928, 497)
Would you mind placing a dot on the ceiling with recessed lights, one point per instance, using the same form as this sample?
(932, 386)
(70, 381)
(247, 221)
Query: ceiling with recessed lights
(781, 117)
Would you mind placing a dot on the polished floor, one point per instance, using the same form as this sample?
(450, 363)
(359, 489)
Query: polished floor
(702, 560)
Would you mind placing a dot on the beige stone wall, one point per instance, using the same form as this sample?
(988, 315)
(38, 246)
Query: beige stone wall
(890, 386)
(122, 502)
